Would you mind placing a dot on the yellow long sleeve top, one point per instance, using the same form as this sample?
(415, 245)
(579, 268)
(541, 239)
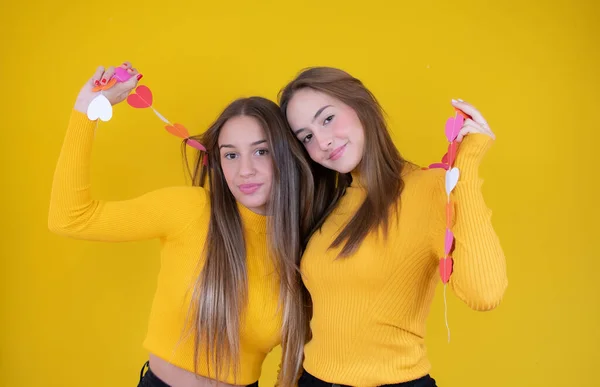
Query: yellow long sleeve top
(369, 309)
(178, 217)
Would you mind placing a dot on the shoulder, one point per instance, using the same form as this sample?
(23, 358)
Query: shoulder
(417, 177)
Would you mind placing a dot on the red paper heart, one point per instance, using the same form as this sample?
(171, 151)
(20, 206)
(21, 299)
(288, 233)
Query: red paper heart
(439, 165)
(446, 265)
(141, 98)
(451, 155)
(445, 158)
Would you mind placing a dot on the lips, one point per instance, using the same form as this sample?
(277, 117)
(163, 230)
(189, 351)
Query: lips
(249, 188)
(337, 152)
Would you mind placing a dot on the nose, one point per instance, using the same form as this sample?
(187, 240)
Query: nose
(247, 166)
(324, 140)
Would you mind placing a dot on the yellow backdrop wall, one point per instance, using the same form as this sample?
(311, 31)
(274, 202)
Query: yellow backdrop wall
(74, 313)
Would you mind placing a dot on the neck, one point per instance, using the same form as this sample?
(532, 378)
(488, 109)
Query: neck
(252, 219)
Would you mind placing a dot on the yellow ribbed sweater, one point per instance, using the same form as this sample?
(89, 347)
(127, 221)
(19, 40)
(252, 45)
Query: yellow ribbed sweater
(178, 217)
(369, 313)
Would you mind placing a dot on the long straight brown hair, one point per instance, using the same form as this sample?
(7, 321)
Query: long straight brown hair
(220, 291)
(381, 165)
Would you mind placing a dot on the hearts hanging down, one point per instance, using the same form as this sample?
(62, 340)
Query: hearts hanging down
(451, 179)
(141, 98)
(100, 108)
(448, 242)
(446, 266)
(453, 126)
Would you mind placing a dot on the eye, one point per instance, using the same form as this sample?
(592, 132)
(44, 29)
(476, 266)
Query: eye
(262, 152)
(229, 156)
(307, 138)
(328, 119)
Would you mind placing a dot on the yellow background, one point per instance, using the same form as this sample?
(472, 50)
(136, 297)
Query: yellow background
(74, 313)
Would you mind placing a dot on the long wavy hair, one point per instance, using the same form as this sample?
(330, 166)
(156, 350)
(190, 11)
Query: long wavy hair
(381, 164)
(220, 292)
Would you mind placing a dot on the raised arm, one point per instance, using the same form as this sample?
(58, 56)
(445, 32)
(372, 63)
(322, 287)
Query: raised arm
(74, 213)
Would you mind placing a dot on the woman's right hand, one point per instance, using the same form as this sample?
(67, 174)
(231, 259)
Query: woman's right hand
(117, 93)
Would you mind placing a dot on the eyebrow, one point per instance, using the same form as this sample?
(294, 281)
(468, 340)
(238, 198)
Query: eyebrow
(253, 144)
(314, 118)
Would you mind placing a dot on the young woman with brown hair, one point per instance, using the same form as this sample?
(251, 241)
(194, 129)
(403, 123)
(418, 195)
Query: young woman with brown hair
(371, 264)
(228, 289)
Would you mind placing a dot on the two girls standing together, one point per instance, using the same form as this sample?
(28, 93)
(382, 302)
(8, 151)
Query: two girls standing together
(305, 228)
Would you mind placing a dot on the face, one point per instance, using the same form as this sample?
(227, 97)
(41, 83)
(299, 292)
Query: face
(330, 130)
(246, 162)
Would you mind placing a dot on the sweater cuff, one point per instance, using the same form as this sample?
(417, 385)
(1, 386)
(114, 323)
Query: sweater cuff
(81, 121)
(470, 153)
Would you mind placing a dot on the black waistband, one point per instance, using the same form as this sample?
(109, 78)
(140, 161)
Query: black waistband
(149, 379)
(308, 380)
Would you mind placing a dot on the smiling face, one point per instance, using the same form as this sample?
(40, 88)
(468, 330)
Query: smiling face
(330, 130)
(246, 162)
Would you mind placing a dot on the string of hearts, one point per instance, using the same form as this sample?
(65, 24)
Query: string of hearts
(452, 128)
(141, 98)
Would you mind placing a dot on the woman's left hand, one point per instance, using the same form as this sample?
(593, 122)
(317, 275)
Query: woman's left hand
(475, 124)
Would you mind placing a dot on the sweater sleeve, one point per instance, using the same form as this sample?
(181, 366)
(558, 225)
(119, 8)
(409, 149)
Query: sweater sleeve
(75, 214)
(479, 275)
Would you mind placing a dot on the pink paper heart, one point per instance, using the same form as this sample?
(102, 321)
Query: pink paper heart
(453, 126)
(449, 240)
(141, 98)
(446, 265)
(121, 74)
(439, 165)
(195, 144)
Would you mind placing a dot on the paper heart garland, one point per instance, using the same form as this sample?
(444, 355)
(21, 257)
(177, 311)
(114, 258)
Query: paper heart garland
(141, 98)
(100, 108)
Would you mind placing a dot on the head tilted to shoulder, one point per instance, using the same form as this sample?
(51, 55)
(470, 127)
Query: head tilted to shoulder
(254, 160)
(343, 128)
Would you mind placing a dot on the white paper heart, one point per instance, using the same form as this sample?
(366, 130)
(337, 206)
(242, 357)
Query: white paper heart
(452, 176)
(100, 107)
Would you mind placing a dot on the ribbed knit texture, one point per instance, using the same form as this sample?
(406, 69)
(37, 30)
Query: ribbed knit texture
(370, 309)
(179, 217)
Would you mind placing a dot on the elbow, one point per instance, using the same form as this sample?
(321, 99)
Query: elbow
(59, 224)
